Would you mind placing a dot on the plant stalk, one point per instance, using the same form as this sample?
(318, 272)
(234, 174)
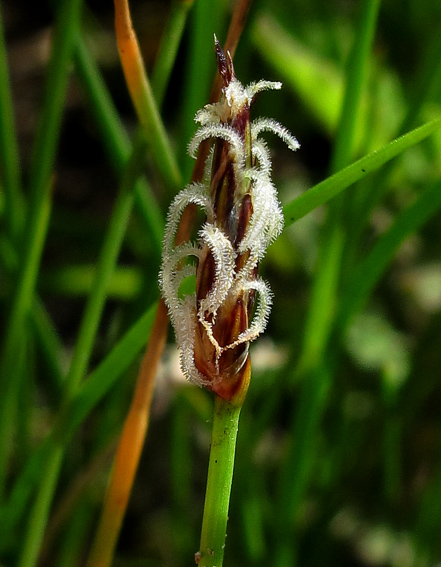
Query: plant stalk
(220, 476)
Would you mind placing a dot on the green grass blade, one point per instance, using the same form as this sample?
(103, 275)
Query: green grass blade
(46, 334)
(37, 518)
(13, 511)
(50, 346)
(430, 79)
(80, 525)
(318, 82)
(368, 272)
(57, 80)
(125, 283)
(168, 48)
(106, 265)
(9, 160)
(332, 186)
(199, 71)
(324, 291)
(104, 376)
(97, 385)
(84, 346)
(115, 139)
(356, 75)
(295, 472)
(13, 346)
(160, 147)
(322, 304)
(320, 316)
(102, 380)
(41, 170)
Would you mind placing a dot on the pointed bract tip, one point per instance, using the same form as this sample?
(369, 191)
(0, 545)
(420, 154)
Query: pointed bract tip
(224, 63)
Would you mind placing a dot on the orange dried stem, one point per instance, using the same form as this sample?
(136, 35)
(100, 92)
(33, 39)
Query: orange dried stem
(142, 96)
(131, 57)
(129, 449)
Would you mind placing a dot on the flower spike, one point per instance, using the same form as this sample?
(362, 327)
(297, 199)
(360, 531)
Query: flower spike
(231, 304)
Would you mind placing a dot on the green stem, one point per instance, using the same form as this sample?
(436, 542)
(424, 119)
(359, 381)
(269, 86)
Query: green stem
(220, 476)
